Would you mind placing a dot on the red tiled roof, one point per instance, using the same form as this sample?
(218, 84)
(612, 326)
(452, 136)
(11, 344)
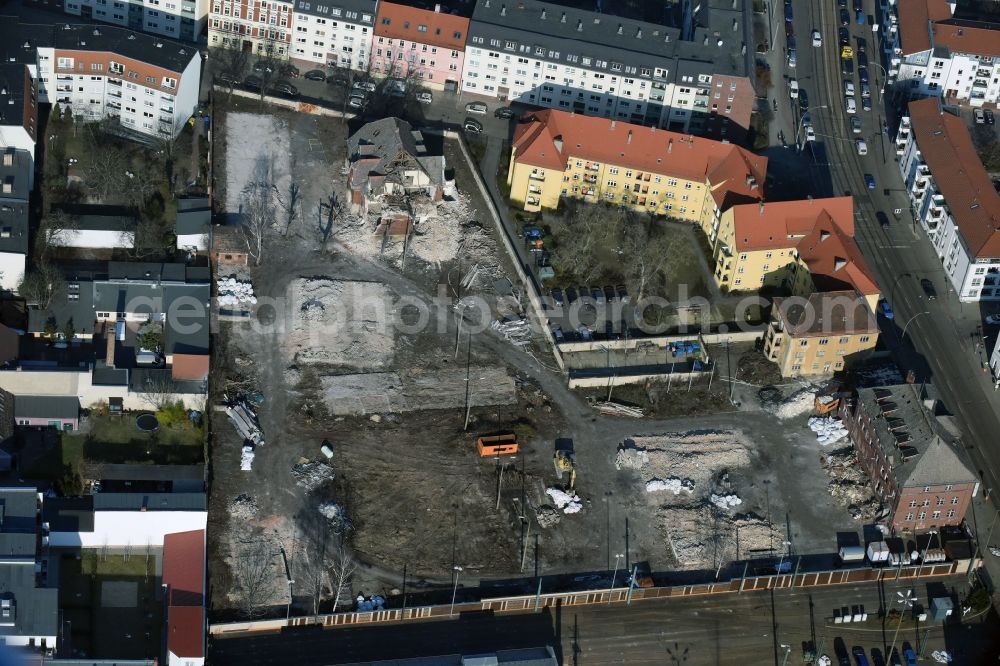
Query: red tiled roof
(184, 567)
(823, 314)
(947, 148)
(914, 15)
(186, 631)
(193, 367)
(967, 39)
(820, 230)
(725, 166)
(924, 24)
(404, 23)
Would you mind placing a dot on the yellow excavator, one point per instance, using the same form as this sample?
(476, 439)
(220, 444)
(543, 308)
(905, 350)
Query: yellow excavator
(565, 461)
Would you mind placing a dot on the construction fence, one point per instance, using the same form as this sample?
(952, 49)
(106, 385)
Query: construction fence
(537, 602)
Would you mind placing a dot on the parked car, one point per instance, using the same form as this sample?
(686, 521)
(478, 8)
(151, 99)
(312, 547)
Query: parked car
(909, 655)
(504, 112)
(841, 4)
(870, 181)
(863, 74)
(857, 5)
(866, 103)
(860, 16)
(849, 88)
(288, 69)
(979, 116)
(571, 295)
(597, 294)
(847, 66)
(473, 126)
(284, 89)
(367, 86)
(817, 39)
(558, 334)
(609, 293)
(859, 655)
(856, 124)
(862, 60)
(850, 105)
(226, 79)
(476, 107)
(877, 658)
(861, 147)
(803, 100)
(253, 83)
(315, 75)
(990, 118)
(882, 218)
(992, 320)
(584, 293)
(810, 133)
(928, 288)
(791, 58)
(793, 89)
(557, 297)
(425, 97)
(845, 17)
(843, 36)
(789, 15)
(622, 293)
(886, 309)
(862, 44)
(866, 90)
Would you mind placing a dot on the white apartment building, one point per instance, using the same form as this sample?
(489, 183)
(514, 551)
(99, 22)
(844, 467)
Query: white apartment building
(176, 19)
(952, 197)
(940, 56)
(553, 56)
(261, 26)
(148, 83)
(333, 33)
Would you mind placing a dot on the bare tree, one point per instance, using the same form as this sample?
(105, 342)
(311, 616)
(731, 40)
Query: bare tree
(158, 390)
(147, 239)
(54, 229)
(270, 66)
(342, 568)
(329, 213)
(40, 285)
(587, 239)
(290, 200)
(253, 570)
(258, 209)
(231, 61)
(106, 170)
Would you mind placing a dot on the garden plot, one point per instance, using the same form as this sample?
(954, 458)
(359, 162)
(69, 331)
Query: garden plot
(415, 390)
(686, 477)
(256, 146)
(337, 322)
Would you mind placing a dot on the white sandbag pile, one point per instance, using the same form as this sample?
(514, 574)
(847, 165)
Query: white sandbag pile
(828, 430)
(233, 292)
(566, 502)
(673, 484)
(725, 501)
(798, 404)
(371, 604)
(246, 458)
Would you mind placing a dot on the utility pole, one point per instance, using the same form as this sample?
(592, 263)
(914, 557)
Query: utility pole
(468, 386)
(631, 585)
(500, 484)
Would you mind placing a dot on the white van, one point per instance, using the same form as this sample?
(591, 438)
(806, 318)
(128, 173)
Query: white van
(793, 89)
(852, 107)
(861, 146)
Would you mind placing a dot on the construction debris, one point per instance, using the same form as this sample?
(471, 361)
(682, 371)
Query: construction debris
(674, 485)
(514, 328)
(244, 418)
(312, 474)
(848, 484)
(618, 409)
(567, 502)
(246, 458)
(243, 507)
(547, 516)
(801, 402)
(725, 502)
(828, 430)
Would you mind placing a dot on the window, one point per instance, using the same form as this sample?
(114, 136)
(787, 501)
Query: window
(922, 515)
(936, 515)
(940, 501)
(951, 513)
(803, 343)
(949, 487)
(954, 500)
(927, 489)
(926, 503)
(824, 341)
(865, 338)
(421, 28)
(65, 63)
(909, 516)
(913, 504)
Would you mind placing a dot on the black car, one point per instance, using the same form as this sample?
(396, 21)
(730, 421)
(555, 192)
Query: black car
(842, 4)
(791, 42)
(504, 112)
(862, 45)
(845, 18)
(557, 297)
(315, 75)
(857, 5)
(803, 100)
(863, 74)
(843, 36)
(284, 89)
(571, 295)
(789, 17)
(990, 118)
(862, 60)
(597, 294)
(339, 80)
(847, 66)
(877, 658)
(226, 79)
(252, 83)
(928, 288)
(883, 219)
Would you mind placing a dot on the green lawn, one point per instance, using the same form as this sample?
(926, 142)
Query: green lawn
(129, 630)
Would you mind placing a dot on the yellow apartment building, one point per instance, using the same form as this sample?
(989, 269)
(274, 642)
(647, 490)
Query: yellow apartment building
(557, 154)
(820, 334)
(802, 246)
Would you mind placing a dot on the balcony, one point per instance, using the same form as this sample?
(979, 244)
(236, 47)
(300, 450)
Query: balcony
(980, 83)
(589, 191)
(115, 82)
(114, 105)
(534, 189)
(590, 179)
(115, 93)
(593, 167)
(64, 89)
(167, 120)
(984, 73)
(537, 175)
(167, 109)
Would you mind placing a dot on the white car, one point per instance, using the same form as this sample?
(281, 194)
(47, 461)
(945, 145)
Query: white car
(849, 88)
(817, 39)
(425, 97)
(810, 133)
(852, 107)
(793, 89)
(861, 146)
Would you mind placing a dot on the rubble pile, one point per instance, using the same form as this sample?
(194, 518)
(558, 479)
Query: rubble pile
(246, 458)
(799, 403)
(567, 502)
(828, 430)
(673, 484)
(725, 502)
(311, 474)
(514, 329)
(849, 485)
(547, 516)
(243, 507)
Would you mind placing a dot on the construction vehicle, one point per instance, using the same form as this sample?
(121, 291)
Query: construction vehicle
(497, 445)
(564, 461)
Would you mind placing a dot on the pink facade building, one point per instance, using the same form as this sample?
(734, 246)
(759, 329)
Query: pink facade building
(425, 46)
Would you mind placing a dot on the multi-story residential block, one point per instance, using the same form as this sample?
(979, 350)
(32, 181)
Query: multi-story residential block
(176, 19)
(150, 84)
(421, 44)
(914, 463)
(19, 94)
(15, 191)
(953, 198)
(690, 78)
(800, 246)
(943, 56)
(819, 334)
(261, 26)
(557, 154)
(995, 364)
(333, 33)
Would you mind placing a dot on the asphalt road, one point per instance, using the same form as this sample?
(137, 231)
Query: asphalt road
(940, 335)
(726, 629)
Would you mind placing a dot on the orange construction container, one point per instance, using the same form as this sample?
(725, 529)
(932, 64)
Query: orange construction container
(497, 445)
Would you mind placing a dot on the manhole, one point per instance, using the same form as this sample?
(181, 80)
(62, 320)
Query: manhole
(147, 423)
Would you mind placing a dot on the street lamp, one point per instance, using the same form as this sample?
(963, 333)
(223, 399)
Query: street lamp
(454, 590)
(288, 608)
(788, 651)
(781, 562)
(902, 336)
(905, 602)
(614, 576)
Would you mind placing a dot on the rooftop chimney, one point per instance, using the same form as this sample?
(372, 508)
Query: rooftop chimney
(437, 8)
(761, 208)
(620, 29)
(612, 124)
(503, 10)
(638, 33)
(670, 146)
(629, 140)
(579, 25)
(562, 19)
(543, 13)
